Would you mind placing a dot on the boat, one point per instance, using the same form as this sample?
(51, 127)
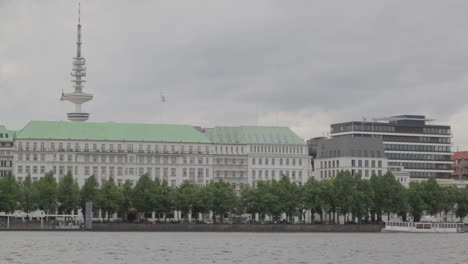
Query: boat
(424, 227)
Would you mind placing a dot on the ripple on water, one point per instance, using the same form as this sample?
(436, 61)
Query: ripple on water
(87, 247)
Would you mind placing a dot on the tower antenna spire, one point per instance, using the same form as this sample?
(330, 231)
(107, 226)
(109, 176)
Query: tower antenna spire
(79, 12)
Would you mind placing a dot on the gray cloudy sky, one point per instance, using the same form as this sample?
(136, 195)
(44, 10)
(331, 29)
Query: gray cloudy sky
(303, 64)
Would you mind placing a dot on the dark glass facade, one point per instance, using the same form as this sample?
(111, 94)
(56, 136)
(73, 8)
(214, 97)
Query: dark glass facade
(421, 148)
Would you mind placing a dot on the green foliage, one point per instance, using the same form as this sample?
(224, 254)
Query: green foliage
(143, 198)
(164, 198)
(221, 198)
(185, 197)
(312, 196)
(343, 195)
(68, 194)
(363, 197)
(462, 203)
(89, 192)
(10, 194)
(27, 202)
(45, 193)
(416, 204)
(126, 196)
(109, 198)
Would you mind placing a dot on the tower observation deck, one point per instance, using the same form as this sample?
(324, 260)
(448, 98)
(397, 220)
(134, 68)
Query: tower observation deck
(78, 97)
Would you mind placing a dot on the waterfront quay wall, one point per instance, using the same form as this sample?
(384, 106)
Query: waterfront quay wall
(235, 227)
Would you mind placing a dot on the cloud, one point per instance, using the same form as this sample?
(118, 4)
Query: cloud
(303, 64)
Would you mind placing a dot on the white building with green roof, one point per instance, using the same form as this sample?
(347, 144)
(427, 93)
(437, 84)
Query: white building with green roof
(124, 151)
(174, 153)
(248, 154)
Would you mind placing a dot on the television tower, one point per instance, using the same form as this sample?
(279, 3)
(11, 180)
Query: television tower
(78, 97)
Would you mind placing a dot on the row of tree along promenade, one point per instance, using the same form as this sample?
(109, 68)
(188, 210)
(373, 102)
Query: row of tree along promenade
(345, 196)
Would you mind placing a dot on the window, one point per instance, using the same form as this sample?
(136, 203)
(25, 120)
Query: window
(366, 163)
(379, 164)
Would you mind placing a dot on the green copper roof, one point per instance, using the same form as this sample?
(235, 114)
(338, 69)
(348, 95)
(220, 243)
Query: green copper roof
(111, 131)
(253, 135)
(6, 135)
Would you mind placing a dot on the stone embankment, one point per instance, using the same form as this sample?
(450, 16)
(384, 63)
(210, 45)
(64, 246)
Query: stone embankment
(235, 228)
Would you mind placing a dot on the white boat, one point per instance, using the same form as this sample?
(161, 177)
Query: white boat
(423, 227)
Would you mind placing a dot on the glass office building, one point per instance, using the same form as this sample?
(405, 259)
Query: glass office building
(422, 149)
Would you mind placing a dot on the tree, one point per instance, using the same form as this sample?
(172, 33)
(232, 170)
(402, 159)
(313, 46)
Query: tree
(222, 198)
(184, 198)
(45, 193)
(328, 197)
(416, 203)
(363, 196)
(109, 198)
(68, 194)
(462, 203)
(311, 198)
(202, 202)
(143, 198)
(432, 194)
(164, 199)
(255, 200)
(89, 193)
(344, 188)
(10, 194)
(385, 197)
(27, 203)
(273, 204)
(449, 197)
(126, 192)
(289, 196)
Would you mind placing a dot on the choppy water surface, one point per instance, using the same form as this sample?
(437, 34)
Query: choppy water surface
(155, 247)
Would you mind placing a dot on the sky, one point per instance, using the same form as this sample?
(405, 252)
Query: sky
(302, 63)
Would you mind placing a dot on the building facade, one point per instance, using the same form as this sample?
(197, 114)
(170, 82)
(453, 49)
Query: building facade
(460, 165)
(362, 156)
(268, 153)
(6, 150)
(422, 149)
(171, 153)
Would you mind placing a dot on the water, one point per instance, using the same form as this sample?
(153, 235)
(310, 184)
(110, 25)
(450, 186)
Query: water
(271, 248)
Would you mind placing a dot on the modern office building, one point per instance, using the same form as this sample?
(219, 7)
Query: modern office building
(410, 141)
(173, 153)
(6, 150)
(362, 156)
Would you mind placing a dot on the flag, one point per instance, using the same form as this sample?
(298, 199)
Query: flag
(63, 96)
